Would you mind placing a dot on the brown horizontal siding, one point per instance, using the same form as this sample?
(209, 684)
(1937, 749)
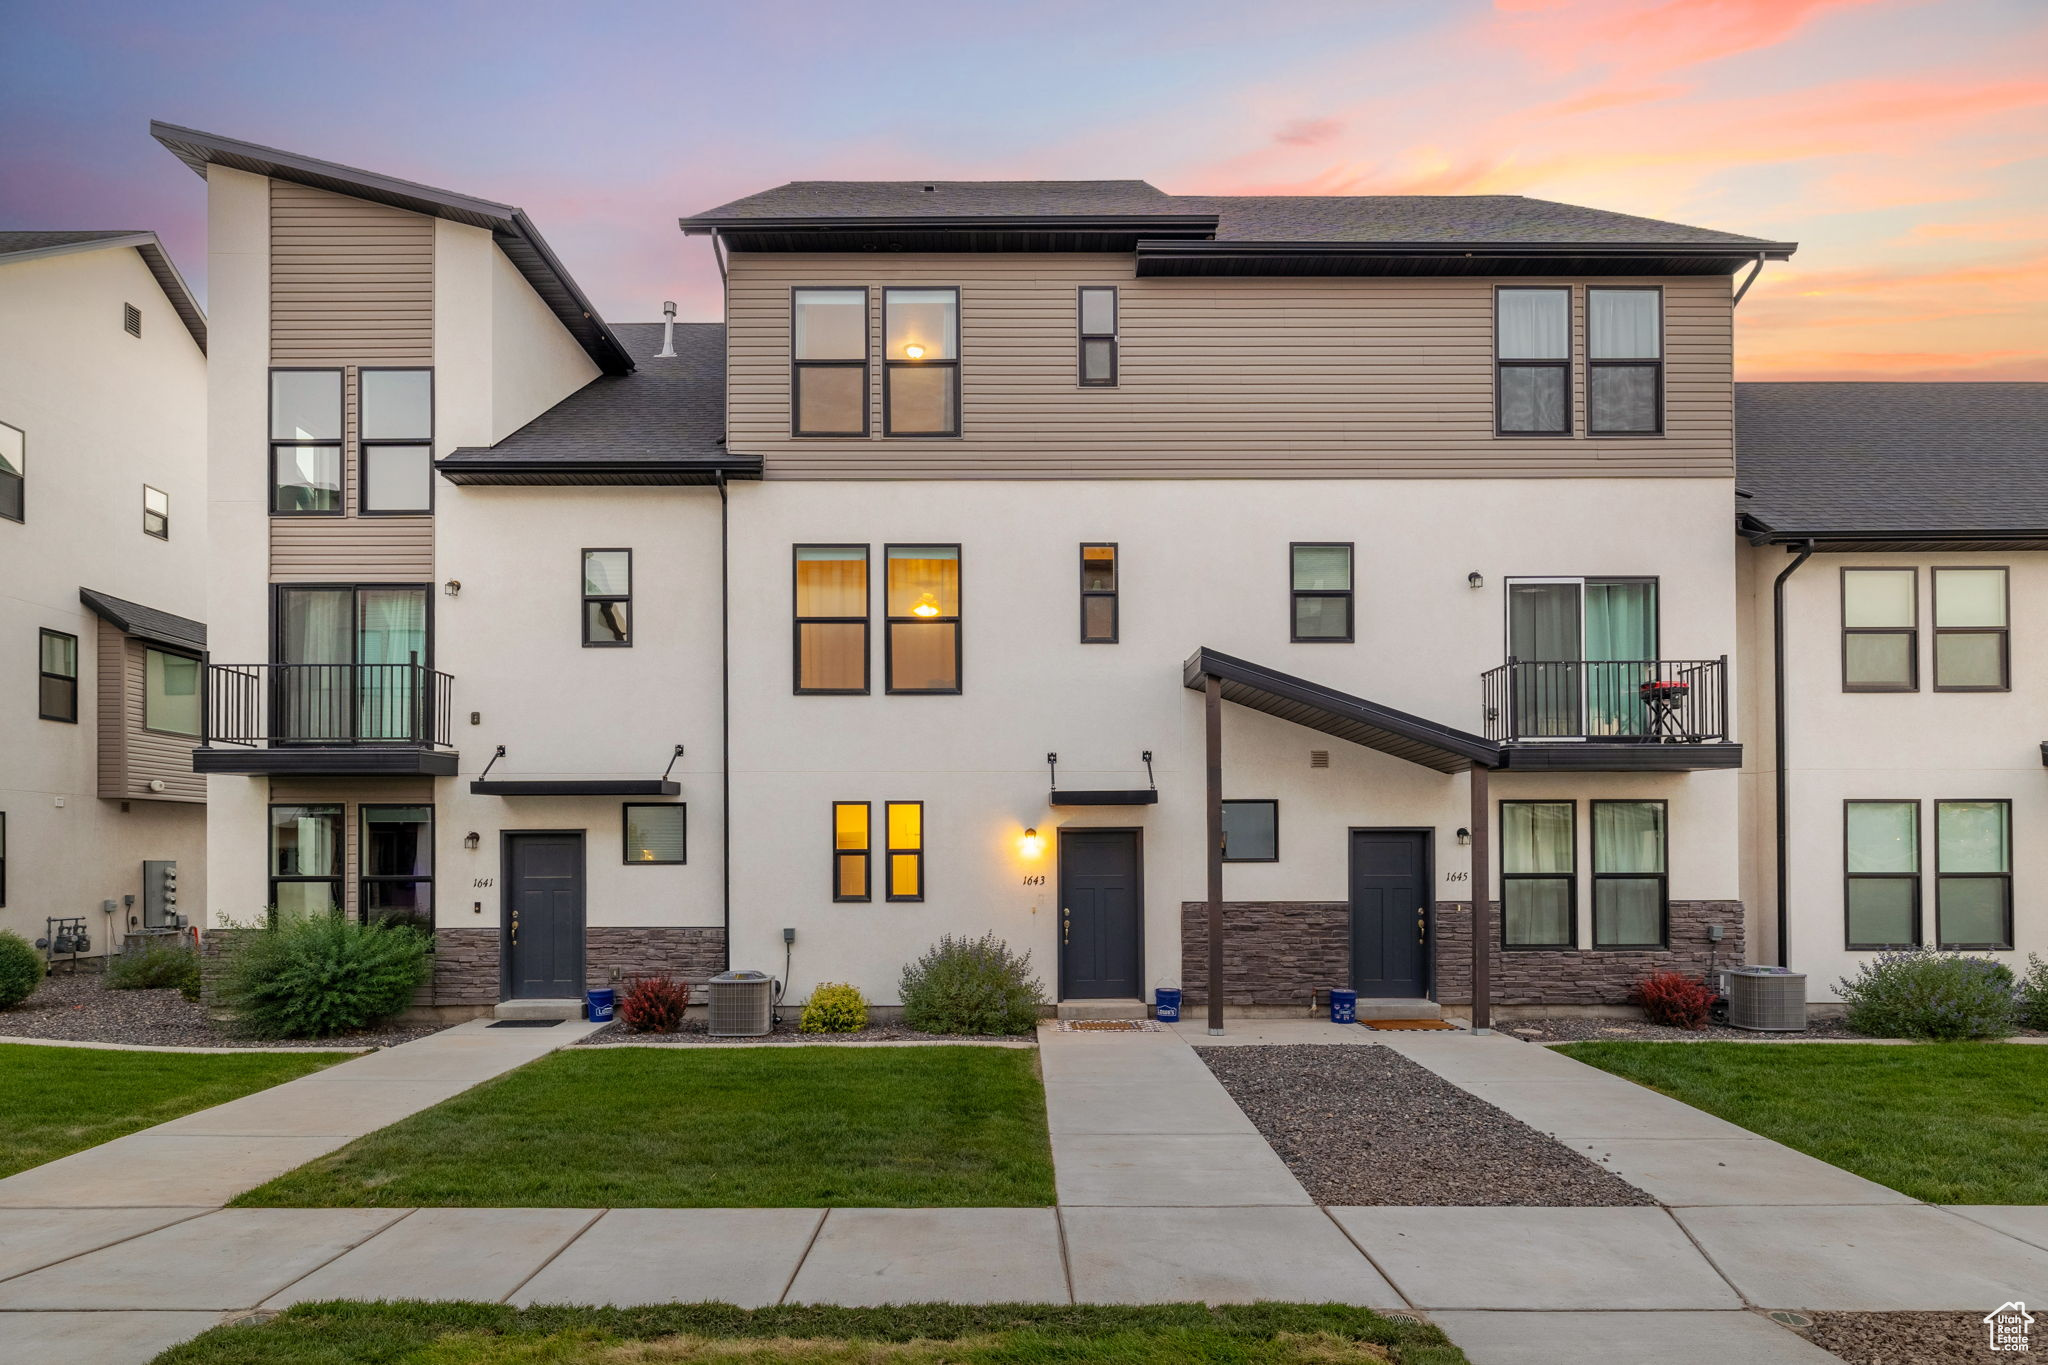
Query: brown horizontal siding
(1219, 377)
(351, 549)
(132, 756)
(351, 282)
(110, 676)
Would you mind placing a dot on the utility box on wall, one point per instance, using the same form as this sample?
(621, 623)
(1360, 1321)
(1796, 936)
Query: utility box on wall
(159, 893)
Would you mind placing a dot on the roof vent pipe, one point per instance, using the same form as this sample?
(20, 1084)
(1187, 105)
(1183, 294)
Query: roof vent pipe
(668, 332)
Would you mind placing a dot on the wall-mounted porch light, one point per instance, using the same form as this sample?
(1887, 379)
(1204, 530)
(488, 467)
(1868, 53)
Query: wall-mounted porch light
(1475, 579)
(471, 840)
(1464, 836)
(453, 587)
(1030, 846)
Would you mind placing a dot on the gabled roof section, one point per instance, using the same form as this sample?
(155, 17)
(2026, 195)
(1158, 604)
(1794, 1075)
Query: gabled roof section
(662, 424)
(145, 623)
(28, 246)
(1893, 464)
(509, 227)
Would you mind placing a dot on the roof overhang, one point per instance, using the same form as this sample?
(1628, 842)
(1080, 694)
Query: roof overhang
(1893, 540)
(146, 623)
(1064, 232)
(1166, 257)
(154, 257)
(475, 467)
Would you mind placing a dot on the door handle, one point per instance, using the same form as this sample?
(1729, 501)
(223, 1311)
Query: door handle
(515, 928)
(1066, 924)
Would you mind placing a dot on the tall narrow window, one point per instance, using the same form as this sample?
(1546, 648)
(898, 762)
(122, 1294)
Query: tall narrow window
(906, 850)
(1881, 866)
(1251, 831)
(607, 597)
(305, 860)
(656, 834)
(156, 512)
(396, 437)
(305, 443)
(829, 362)
(1321, 590)
(923, 618)
(1532, 360)
(1880, 630)
(1624, 361)
(1099, 622)
(13, 462)
(170, 692)
(57, 697)
(921, 362)
(850, 851)
(1538, 874)
(1629, 886)
(831, 619)
(1098, 337)
(1973, 873)
(1970, 620)
(397, 854)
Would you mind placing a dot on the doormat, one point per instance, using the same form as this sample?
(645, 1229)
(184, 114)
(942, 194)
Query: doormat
(524, 1023)
(1108, 1026)
(1404, 1025)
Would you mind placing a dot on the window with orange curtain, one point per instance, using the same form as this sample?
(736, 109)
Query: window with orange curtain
(906, 850)
(850, 845)
(923, 618)
(831, 619)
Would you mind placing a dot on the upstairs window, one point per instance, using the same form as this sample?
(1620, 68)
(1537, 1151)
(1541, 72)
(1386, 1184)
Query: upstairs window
(1321, 590)
(305, 443)
(921, 362)
(396, 438)
(1973, 873)
(923, 618)
(1624, 361)
(1098, 337)
(831, 619)
(397, 883)
(1099, 622)
(13, 459)
(170, 692)
(57, 697)
(1880, 630)
(850, 848)
(1532, 360)
(156, 512)
(905, 821)
(1539, 868)
(1881, 865)
(1970, 642)
(1629, 887)
(607, 598)
(829, 362)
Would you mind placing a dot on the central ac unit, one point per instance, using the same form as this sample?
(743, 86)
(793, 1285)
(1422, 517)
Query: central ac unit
(742, 1005)
(1766, 999)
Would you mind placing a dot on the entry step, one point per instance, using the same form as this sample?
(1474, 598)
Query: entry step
(538, 1009)
(1399, 1009)
(1104, 1009)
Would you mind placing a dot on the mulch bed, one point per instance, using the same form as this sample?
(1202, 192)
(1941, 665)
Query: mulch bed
(693, 1032)
(1911, 1338)
(1365, 1125)
(80, 1009)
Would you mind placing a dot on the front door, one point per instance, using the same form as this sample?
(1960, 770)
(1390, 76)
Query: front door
(544, 915)
(1101, 909)
(1389, 915)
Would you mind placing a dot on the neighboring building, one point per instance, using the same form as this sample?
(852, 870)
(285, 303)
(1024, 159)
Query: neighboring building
(103, 561)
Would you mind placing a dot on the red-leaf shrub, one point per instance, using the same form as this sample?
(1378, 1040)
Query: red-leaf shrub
(1674, 1000)
(655, 1004)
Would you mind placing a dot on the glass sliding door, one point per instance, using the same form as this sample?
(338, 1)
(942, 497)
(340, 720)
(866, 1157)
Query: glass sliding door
(345, 659)
(1582, 649)
(1545, 637)
(1621, 649)
(391, 638)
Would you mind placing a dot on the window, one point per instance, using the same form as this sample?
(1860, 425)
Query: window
(170, 692)
(1973, 874)
(398, 866)
(921, 362)
(1880, 630)
(1624, 361)
(831, 619)
(828, 362)
(656, 834)
(57, 698)
(13, 460)
(1098, 595)
(305, 860)
(305, 443)
(346, 659)
(1970, 643)
(1629, 884)
(607, 598)
(1538, 869)
(156, 512)
(850, 851)
(1098, 337)
(923, 618)
(1322, 592)
(395, 437)
(131, 319)
(905, 820)
(1532, 361)
(1881, 863)
(1251, 831)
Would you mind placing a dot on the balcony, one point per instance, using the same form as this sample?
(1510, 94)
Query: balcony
(327, 720)
(1611, 715)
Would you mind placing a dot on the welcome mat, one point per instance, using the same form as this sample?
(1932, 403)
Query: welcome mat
(524, 1023)
(1405, 1025)
(1108, 1026)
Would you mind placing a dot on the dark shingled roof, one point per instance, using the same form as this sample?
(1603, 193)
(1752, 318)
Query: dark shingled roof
(147, 623)
(664, 422)
(24, 246)
(13, 242)
(950, 199)
(1892, 460)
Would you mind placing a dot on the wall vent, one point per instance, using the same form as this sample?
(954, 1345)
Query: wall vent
(131, 318)
(1318, 758)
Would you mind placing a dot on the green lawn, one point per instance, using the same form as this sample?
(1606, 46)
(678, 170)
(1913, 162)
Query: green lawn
(1950, 1123)
(928, 1334)
(58, 1100)
(687, 1127)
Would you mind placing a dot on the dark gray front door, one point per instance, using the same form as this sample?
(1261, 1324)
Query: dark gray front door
(544, 915)
(1101, 909)
(1389, 917)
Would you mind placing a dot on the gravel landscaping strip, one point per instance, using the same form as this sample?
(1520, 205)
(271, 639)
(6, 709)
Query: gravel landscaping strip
(1364, 1125)
(693, 1032)
(1909, 1338)
(80, 1009)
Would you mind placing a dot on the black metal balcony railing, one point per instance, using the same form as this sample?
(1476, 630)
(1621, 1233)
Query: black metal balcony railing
(1670, 701)
(401, 705)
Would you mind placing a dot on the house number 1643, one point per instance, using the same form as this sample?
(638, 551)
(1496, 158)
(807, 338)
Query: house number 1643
(1035, 881)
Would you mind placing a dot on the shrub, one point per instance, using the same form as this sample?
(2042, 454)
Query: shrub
(155, 966)
(654, 1004)
(977, 985)
(834, 1007)
(21, 970)
(1674, 1000)
(313, 976)
(2033, 995)
(1921, 993)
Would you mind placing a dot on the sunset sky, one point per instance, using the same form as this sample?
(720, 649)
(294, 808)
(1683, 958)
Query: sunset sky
(1902, 143)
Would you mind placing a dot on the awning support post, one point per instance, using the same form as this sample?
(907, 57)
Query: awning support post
(1482, 908)
(1212, 728)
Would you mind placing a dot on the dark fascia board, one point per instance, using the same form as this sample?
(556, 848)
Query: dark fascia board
(1844, 541)
(509, 226)
(1137, 224)
(338, 761)
(159, 263)
(1139, 796)
(607, 473)
(1747, 251)
(596, 786)
(1169, 258)
(1619, 758)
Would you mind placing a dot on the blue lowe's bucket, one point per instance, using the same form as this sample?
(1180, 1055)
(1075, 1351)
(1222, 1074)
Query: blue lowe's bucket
(597, 1005)
(1167, 1007)
(1343, 1007)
